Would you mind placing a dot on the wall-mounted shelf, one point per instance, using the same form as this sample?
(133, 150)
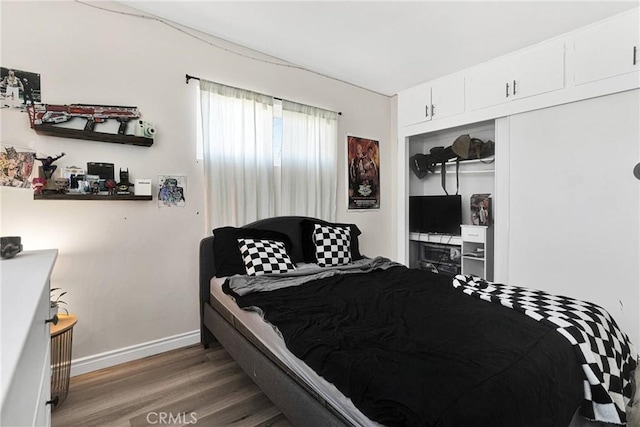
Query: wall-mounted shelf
(78, 196)
(53, 130)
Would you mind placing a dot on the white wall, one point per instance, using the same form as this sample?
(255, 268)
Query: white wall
(130, 268)
(574, 204)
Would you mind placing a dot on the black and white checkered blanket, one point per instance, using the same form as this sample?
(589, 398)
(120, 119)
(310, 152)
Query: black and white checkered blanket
(604, 351)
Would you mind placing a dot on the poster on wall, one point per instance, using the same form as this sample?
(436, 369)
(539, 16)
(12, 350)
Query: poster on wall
(171, 190)
(16, 166)
(19, 88)
(363, 174)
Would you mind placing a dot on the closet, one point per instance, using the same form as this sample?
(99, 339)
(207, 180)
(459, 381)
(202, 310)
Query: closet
(565, 202)
(436, 250)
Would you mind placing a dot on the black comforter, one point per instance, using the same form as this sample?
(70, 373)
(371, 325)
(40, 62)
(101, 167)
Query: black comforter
(411, 350)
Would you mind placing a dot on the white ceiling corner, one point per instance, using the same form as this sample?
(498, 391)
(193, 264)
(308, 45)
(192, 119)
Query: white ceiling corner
(384, 46)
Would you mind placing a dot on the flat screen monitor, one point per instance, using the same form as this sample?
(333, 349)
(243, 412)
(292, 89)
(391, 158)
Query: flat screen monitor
(435, 214)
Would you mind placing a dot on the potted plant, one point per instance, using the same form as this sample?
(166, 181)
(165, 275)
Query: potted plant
(55, 302)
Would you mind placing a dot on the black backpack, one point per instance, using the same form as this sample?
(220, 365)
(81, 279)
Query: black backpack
(422, 164)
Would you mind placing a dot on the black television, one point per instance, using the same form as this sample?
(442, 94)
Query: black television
(435, 214)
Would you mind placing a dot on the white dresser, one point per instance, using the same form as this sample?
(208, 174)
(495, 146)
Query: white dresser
(25, 379)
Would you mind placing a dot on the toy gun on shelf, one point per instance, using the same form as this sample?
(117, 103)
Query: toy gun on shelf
(55, 114)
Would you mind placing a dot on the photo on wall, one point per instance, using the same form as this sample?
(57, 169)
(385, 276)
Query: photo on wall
(16, 166)
(171, 191)
(363, 174)
(480, 209)
(19, 88)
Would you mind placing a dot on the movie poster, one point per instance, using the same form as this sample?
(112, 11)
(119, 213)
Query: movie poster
(363, 173)
(19, 88)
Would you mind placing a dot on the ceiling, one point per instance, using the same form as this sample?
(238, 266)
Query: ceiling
(384, 46)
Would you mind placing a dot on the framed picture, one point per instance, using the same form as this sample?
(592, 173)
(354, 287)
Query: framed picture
(480, 209)
(363, 173)
(19, 88)
(171, 191)
(16, 167)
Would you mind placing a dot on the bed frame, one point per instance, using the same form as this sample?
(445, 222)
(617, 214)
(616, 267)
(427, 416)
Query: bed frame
(297, 401)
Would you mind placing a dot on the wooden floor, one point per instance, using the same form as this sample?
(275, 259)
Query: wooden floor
(189, 386)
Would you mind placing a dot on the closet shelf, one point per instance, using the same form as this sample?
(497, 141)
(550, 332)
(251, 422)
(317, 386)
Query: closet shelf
(489, 161)
(466, 172)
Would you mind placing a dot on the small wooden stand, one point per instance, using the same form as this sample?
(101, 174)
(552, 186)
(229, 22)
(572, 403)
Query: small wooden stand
(61, 343)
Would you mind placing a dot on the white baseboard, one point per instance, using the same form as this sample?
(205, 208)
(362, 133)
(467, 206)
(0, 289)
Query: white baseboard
(134, 352)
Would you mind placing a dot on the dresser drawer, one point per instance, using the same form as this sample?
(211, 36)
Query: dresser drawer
(476, 234)
(25, 383)
(30, 387)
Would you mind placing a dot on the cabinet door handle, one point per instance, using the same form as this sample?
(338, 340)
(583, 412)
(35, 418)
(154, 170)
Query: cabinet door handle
(53, 320)
(507, 90)
(514, 87)
(635, 55)
(426, 111)
(433, 110)
(53, 401)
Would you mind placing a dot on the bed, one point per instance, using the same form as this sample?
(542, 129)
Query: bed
(452, 357)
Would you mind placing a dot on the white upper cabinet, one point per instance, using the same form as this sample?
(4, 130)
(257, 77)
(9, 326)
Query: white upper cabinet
(431, 101)
(607, 49)
(487, 84)
(414, 105)
(537, 70)
(447, 97)
(597, 60)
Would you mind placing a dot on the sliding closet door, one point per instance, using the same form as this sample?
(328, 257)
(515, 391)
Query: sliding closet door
(574, 205)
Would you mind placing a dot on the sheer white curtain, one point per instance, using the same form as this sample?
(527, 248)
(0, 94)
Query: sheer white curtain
(237, 141)
(309, 161)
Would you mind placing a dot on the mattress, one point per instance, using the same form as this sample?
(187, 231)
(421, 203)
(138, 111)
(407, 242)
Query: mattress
(270, 339)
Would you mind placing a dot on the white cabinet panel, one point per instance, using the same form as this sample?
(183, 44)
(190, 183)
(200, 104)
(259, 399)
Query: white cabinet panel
(487, 84)
(431, 101)
(608, 49)
(414, 105)
(537, 70)
(573, 211)
(447, 97)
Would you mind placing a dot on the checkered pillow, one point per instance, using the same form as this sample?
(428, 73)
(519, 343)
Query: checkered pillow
(333, 245)
(264, 256)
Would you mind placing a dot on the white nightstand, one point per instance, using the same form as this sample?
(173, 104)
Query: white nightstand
(477, 251)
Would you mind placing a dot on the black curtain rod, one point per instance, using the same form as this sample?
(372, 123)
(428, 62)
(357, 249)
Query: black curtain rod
(188, 77)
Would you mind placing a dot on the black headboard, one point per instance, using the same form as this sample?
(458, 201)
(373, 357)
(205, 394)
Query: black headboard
(289, 225)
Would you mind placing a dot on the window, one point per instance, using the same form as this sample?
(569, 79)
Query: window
(264, 157)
